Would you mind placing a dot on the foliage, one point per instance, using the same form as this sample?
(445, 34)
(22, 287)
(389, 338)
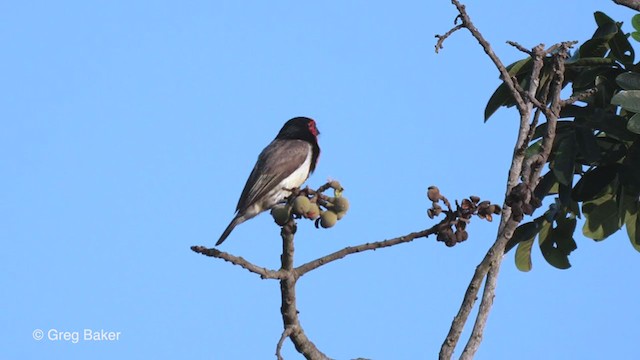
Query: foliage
(597, 142)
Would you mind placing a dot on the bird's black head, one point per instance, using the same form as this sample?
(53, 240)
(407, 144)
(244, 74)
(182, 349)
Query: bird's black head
(302, 128)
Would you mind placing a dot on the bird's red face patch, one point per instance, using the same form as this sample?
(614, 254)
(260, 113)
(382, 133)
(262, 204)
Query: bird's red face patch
(312, 128)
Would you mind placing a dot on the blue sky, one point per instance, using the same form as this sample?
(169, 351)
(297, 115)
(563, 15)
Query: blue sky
(129, 129)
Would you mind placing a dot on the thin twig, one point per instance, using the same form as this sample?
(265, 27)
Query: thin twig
(283, 337)
(520, 47)
(236, 260)
(442, 38)
(314, 264)
(578, 97)
(466, 22)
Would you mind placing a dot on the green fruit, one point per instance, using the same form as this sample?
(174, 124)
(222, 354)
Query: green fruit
(341, 214)
(328, 219)
(340, 204)
(313, 212)
(281, 214)
(301, 205)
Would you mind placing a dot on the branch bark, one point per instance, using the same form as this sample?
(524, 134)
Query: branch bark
(288, 309)
(631, 4)
(489, 268)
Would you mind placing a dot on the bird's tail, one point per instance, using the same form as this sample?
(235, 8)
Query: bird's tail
(236, 221)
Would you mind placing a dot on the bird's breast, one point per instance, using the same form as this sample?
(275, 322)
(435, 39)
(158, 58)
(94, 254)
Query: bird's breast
(299, 176)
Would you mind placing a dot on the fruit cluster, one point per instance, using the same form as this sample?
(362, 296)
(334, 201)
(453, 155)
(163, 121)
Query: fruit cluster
(460, 217)
(314, 205)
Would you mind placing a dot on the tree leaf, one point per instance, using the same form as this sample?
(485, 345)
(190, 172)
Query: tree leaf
(635, 21)
(562, 234)
(587, 145)
(597, 46)
(594, 181)
(632, 221)
(629, 81)
(602, 19)
(523, 255)
(630, 172)
(601, 217)
(561, 126)
(621, 48)
(557, 243)
(563, 163)
(628, 99)
(545, 185)
(524, 232)
(502, 96)
(497, 99)
(634, 124)
(533, 149)
(589, 61)
(635, 35)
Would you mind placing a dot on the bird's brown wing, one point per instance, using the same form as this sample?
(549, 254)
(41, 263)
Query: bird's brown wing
(275, 163)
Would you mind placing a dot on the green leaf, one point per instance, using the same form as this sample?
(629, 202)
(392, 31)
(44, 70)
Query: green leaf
(562, 234)
(629, 81)
(563, 163)
(602, 217)
(499, 98)
(520, 67)
(533, 149)
(502, 95)
(635, 35)
(557, 243)
(632, 220)
(561, 126)
(597, 46)
(628, 99)
(545, 185)
(602, 18)
(589, 61)
(587, 145)
(630, 172)
(524, 232)
(635, 22)
(634, 124)
(593, 182)
(621, 48)
(523, 255)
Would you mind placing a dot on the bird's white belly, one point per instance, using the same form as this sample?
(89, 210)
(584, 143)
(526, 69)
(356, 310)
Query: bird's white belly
(299, 176)
(281, 191)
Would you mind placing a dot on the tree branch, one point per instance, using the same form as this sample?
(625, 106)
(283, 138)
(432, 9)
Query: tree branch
(525, 100)
(631, 4)
(288, 309)
(504, 73)
(283, 337)
(314, 264)
(236, 260)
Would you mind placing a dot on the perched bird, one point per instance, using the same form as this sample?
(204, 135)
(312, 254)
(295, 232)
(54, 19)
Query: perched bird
(283, 165)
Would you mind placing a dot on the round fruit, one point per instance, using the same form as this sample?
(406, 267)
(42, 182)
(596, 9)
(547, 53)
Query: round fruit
(313, 212)
(341, 214)
(340, 204)
(328, 219)
(281, 214)
(433, 193)
(301, 205)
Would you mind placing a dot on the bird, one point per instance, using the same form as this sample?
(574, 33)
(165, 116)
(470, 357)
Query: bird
(283, 165)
